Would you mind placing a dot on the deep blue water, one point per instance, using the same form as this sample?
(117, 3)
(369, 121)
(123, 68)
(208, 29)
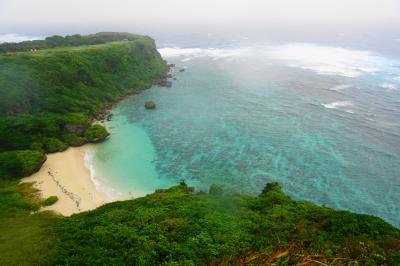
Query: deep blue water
(322, 121)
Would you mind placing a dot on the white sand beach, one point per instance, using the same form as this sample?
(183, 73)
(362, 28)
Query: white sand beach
(65, 175)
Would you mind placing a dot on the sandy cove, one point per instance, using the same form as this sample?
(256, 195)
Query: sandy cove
(65, 175)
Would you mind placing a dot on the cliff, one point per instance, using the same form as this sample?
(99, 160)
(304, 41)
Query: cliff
(50, 96)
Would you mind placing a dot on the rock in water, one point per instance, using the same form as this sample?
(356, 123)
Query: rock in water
(150, 105)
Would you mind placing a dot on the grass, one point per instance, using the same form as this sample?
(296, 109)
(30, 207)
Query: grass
(52, 51)
(27, 237)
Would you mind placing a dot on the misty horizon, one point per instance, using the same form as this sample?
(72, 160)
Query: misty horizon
(370, 25)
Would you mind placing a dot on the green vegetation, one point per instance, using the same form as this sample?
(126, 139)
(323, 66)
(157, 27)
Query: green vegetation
(50, 201)
(16, 164)
(215, 190)
(177, 227)
(95, 133)
(76, 79)
(25, 238)
(69, 40)
(50, 97)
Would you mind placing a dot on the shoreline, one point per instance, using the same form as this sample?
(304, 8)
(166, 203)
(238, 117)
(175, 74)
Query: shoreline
(67, 176)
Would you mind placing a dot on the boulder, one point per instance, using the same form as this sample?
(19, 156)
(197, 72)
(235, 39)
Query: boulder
(76, 128)
(150, 105)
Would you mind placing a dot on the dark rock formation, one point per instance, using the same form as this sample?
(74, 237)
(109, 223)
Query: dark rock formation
(78, 129)
(150, 105)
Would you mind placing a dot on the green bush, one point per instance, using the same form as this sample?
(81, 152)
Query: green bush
(28, 131)
(27, 237)
(16, 164)
(96, 133)
(50, 201)
(176, 227)
(215, 190)
(75, 140)
(54, 145)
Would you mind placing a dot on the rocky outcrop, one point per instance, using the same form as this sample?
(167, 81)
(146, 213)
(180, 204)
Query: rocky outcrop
(78, 129)
(150, 105)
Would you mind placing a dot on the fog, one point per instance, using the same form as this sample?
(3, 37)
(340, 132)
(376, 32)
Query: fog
(61, 13)
(354, 21)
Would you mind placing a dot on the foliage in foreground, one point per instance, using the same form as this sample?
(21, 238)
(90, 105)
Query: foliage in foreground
(177, 227)
(50, 201)
(15, 164)
(25, 238)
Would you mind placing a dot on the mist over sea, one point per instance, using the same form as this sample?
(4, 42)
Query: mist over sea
(319, 115)
(322, 120)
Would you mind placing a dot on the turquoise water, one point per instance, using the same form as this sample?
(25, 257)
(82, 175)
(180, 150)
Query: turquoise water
(327, 132)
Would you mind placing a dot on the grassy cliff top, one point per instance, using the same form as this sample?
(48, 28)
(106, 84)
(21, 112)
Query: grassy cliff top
(67, 41)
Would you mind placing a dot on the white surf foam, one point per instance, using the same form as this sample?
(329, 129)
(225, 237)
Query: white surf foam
(389, 86)
(93, 176)
(326, 60)
(341, 87)
(338, 104)
(192, 53)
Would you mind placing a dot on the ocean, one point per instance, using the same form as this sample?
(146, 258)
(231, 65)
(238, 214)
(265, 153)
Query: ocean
(323, 121)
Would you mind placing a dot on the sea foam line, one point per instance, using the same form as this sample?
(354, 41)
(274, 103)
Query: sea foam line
(338, 104)
(88, 158)
(341, 87)
(389, 86)
(322, 59)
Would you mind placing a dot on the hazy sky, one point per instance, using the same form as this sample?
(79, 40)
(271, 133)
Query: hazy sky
(15, 14)
(364, 24)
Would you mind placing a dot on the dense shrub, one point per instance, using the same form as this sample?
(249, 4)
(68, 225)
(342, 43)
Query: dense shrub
(26, 236)
(50, 201)
(75, 140)
(15, 164)
(54, 144)
(177, 227)
(28, 131)
(215, 190)
(96, 133)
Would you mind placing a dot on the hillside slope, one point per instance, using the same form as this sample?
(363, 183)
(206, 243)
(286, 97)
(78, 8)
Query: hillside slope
(49, 97)
(177, 227)
(76, 79)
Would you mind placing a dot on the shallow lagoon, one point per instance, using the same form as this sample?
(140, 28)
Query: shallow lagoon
(327, 127)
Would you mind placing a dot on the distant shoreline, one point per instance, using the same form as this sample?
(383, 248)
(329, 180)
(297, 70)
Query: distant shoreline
(66, 176)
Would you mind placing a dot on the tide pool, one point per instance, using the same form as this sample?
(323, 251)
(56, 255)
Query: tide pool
(326, 128)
